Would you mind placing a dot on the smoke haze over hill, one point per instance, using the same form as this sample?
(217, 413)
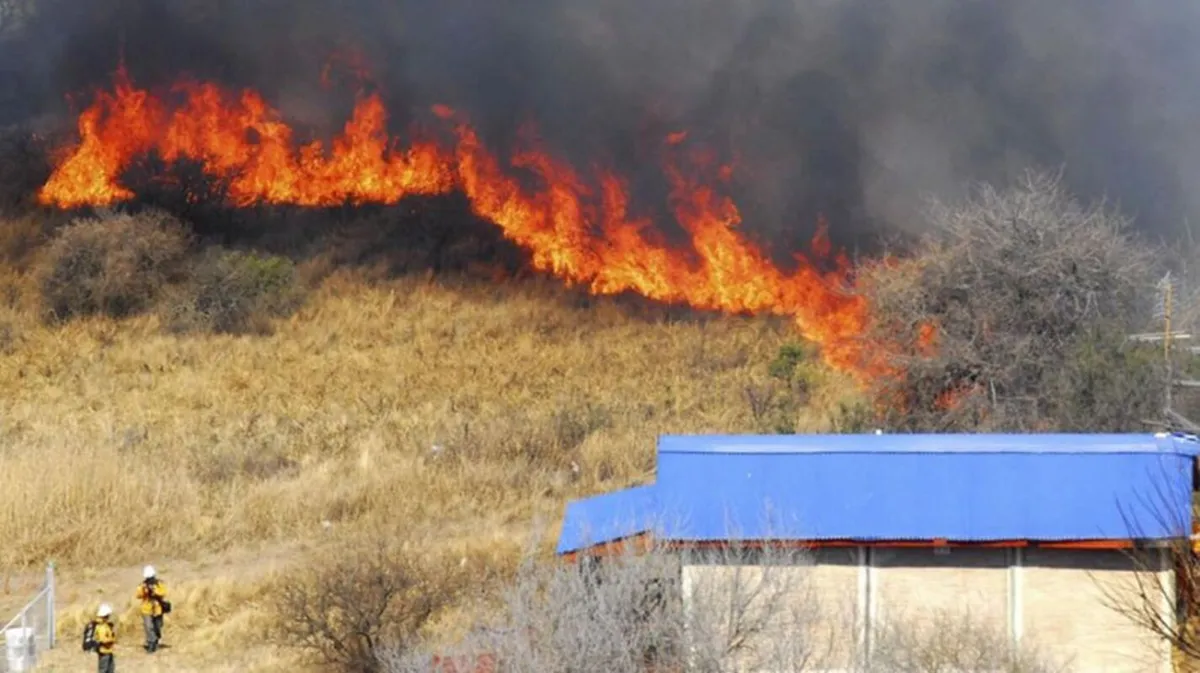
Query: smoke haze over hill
(855, 109)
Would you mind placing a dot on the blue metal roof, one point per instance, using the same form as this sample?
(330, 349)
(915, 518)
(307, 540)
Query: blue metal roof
(608, 517)
(1050, 487)
(927, 443)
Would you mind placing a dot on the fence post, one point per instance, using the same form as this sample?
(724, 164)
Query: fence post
(51, 627)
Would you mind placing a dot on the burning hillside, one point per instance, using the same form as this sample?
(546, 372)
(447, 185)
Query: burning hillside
(852, 111)
(578, 227)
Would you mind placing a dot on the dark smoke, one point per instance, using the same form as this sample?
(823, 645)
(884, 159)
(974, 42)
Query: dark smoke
(858, 109)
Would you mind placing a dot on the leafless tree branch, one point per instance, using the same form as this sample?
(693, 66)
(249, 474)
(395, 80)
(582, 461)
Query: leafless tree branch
(1164, 589)
(1028, 296)
(737, 608)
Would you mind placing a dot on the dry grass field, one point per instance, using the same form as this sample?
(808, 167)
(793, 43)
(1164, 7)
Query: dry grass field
(453, 415)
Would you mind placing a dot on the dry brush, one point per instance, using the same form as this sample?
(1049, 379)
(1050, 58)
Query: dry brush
(634, 612)
(1026, 297)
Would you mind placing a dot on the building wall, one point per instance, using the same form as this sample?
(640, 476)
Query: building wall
(832, 586)
(1066, 598)
(1057, 601)
(944, 601)
(795, 617)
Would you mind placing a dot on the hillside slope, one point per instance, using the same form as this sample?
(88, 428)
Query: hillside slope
(450, 413)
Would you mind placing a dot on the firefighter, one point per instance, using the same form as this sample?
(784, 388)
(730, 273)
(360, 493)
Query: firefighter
(106, 639)
(153, 595)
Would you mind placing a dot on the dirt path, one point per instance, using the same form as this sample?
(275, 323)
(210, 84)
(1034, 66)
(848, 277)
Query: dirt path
(218, 605)
(214, 626)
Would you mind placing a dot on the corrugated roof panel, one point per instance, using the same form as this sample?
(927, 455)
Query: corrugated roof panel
(929, 443)
(903, 487)
(896, 496)
(604, 518)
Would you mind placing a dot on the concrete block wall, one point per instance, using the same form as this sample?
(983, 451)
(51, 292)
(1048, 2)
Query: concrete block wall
(1058, 601)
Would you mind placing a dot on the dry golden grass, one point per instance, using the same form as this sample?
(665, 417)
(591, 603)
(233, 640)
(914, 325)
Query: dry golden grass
(218, 625)
(459, 415)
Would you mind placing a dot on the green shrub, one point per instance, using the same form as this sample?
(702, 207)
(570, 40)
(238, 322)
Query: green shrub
(113, 265)
(798, 365)
(797, 371)
(234, 292)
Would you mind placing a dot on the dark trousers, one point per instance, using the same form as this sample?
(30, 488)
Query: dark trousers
(153, 628)
(106, 664)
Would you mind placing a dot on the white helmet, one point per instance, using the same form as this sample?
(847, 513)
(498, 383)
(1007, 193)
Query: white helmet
(148, 572)
(104, 611)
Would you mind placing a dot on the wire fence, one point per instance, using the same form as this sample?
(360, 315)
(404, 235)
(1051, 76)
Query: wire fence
(31, 631)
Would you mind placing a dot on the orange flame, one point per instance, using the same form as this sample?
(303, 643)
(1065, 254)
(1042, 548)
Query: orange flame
(927, 339)
(955, 395)
(578, 231)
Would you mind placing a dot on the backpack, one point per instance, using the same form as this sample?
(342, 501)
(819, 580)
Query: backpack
(89, 637)
(162, 602)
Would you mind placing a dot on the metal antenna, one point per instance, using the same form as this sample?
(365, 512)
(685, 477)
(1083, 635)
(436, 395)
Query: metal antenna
(1166, 294)
(1163, 307)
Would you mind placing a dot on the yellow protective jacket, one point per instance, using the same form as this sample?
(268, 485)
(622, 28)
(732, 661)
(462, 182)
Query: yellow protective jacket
(150, 595)
(106, 636)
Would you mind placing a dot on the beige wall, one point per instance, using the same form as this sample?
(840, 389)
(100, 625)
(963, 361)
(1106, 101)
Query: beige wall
(915, 584)
(1051, 599)
(1065, 599)
(834, 588)
(817, 600)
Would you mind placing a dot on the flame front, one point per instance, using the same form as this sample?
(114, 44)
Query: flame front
(579, 231)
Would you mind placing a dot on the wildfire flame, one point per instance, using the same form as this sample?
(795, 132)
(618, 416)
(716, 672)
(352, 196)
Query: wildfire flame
(582, 233)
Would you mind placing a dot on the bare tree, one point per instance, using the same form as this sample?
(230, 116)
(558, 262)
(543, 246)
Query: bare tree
(1012, 314)
(1163, 593)
(1161, 596)
(745, 609)
(756, 609)
(348, 608)
(738, 607)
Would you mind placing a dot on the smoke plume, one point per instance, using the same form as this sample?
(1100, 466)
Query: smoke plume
(855, 109)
